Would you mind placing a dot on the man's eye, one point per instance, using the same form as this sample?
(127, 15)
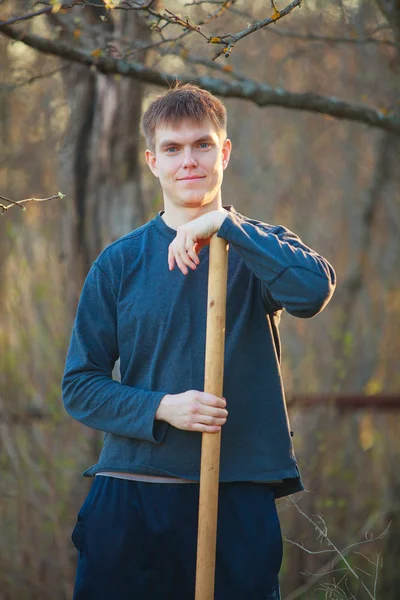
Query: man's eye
(204, 145)
(171, 150)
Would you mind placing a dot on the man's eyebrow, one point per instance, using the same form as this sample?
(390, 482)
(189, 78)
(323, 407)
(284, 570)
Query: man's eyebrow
(166, 143)
(204, 138)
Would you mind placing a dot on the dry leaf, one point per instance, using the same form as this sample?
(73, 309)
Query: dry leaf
(56, 6)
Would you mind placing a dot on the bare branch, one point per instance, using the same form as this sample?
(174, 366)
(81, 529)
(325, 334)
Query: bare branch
(20, 202)
(256, 27)
(306, 549)
(12, 20)
(200, 2)
(123, 6)
(185, 24)
(323, 533)
(228, 41)
(13, 203)
(258, 93)
(340, 556)
(376, 573)
(28, 81)
(312, 37)
(42, 11)
(365, 37)
(368, 540)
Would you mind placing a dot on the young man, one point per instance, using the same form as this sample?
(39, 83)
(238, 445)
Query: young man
(144, 301)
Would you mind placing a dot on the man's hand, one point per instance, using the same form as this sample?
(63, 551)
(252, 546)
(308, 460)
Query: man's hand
(193, 411)
(191, 238)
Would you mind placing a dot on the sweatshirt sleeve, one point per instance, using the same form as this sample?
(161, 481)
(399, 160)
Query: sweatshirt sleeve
(293, 276)
(90, 395)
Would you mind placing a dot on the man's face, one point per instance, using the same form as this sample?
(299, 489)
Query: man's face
(189, 160)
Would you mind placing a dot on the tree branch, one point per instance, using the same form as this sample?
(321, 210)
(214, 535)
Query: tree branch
(12, 20)
(228, 40)
(32, 15)
(20, 202)
(277, 14)
(260, 94)
(11, 87)
(340, 554)
(312, 37)
(363, 38)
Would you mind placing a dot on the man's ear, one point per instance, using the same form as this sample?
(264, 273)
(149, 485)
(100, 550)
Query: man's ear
(152, 162)
(226, 152)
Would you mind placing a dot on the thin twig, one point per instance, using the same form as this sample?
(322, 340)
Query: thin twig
(20, 202)
(278, 14)
(185, 23)
(376, 573)
(199, 2)
(367, 541)
(362, 38)
(32, 15)
(306, 549)
(18, 84)
(122, 6)
(313, 37)
(323, 533)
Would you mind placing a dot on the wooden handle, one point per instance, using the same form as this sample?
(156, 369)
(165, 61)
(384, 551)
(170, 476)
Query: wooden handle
(211, 442)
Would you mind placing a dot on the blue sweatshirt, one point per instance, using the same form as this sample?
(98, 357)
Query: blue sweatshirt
(154, 320)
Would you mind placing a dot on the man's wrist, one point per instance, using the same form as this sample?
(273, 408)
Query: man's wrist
(220, 217)
(161, 410)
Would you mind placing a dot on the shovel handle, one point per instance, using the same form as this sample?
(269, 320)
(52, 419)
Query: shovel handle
(211, 442)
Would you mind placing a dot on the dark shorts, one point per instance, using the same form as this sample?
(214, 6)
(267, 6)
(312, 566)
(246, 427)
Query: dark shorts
(137, 541)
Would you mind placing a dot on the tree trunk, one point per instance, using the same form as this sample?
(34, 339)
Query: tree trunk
(390, 576)
(101, 163)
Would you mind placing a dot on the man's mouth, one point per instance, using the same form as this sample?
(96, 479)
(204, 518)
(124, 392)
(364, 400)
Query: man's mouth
(190, 177)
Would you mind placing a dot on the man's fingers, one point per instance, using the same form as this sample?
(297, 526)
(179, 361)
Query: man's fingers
(186, 260)
(181, 265)
(171, 260)
(206, 428)
(192, 257)
(191, 238)
(211, 400)
(208, 411)
(194, 410)
(184, 249)
(178, 252)
(209, 420)
(190, 250)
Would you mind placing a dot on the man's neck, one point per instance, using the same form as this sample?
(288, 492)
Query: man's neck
(175, 216)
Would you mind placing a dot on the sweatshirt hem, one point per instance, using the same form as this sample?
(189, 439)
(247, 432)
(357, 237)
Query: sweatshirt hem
(290, 480)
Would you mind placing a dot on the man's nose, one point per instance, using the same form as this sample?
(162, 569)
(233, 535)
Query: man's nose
(189, 160)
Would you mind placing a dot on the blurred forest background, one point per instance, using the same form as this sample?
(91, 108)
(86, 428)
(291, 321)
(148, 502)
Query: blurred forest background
(74, 128)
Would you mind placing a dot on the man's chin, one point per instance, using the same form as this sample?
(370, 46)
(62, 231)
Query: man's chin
(194, 201)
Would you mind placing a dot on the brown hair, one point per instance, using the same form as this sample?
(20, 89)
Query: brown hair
(182, 102)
